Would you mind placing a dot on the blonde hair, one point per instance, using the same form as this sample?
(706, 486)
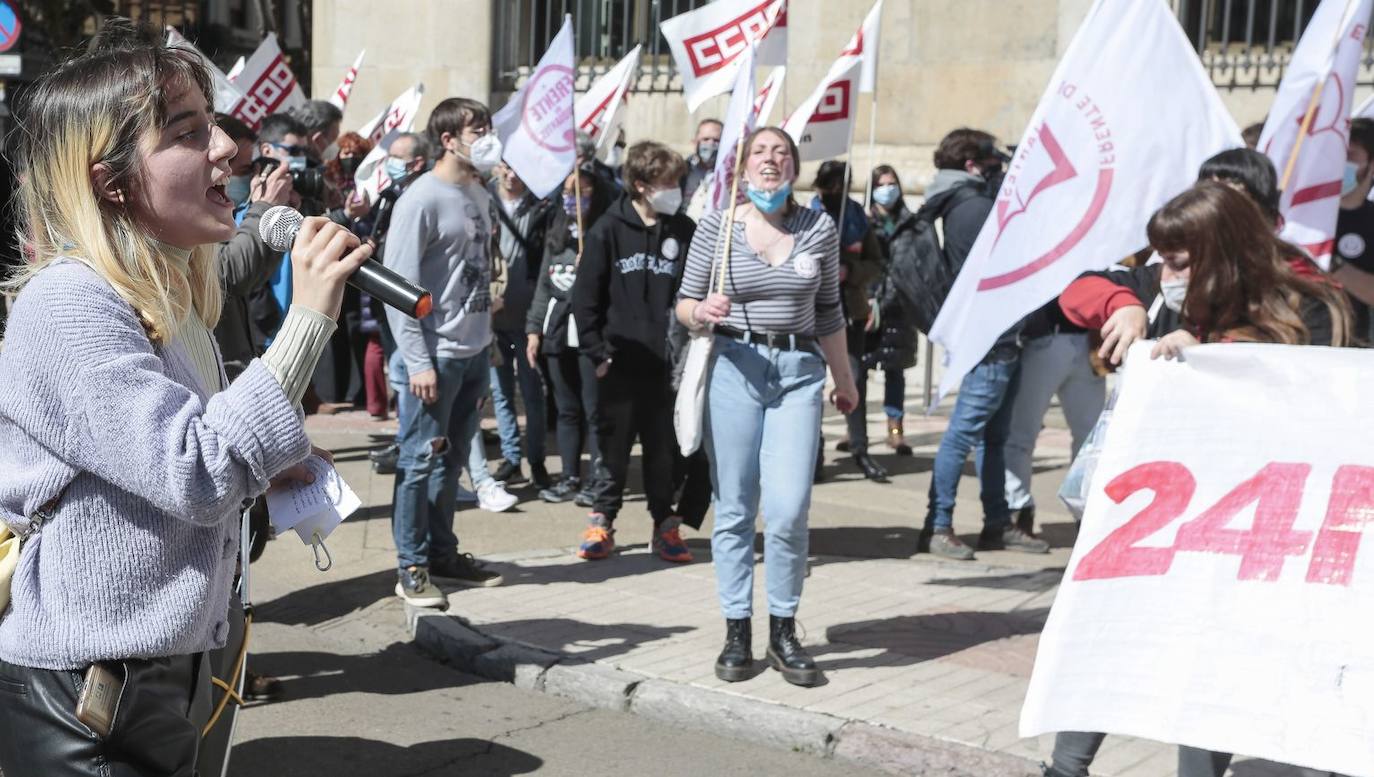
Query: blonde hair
(101, 108)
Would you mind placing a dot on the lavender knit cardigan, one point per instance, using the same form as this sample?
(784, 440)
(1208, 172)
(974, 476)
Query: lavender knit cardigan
(139, 557)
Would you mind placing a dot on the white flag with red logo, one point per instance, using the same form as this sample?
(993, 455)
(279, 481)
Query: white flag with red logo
(707, 43)
(866, 41)
(398, 118)
(823, 125)
(740, 119)
(598, 110)
(768, 96)
(772, 50)
(226, 94)
(537, 127)
(267, 83)
(340, 97)
(1325, 62)
(1126, 120)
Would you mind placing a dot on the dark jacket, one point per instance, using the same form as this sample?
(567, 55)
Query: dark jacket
(892, 344)
(521, 243)
(548, 312)
(245, 265)
(627, 284)
(963, 219)
(862, 268)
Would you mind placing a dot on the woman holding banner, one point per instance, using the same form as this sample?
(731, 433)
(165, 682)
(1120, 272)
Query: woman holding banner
(775, 307)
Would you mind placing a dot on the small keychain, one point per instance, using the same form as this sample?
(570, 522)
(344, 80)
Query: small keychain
(317, 545)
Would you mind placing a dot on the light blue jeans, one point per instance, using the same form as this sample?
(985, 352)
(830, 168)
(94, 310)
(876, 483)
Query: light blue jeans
(763, 424)
(503, 382)
(427, 474)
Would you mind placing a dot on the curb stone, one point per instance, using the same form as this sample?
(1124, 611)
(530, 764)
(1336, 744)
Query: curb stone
(454, 640)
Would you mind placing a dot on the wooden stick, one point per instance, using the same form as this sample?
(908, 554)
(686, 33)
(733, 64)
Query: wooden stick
(872, 151)
(730, 216)
(1315, 101)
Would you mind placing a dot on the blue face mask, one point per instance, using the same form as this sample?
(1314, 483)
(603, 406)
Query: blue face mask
(395, 169)
(1351, 180)
(887, 195)
(240, 186)
(770, 202)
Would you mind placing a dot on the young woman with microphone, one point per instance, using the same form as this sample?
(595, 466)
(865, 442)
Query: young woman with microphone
(125, 460)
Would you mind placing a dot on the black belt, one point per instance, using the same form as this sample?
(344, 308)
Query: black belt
(782, 342)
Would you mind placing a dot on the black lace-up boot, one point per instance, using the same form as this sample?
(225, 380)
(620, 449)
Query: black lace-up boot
(736, 661)
(786, 654)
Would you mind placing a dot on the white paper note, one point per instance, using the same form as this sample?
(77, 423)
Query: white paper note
(312, 508)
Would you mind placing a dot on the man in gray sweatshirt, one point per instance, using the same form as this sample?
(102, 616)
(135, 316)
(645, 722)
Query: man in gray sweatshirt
(440, 238)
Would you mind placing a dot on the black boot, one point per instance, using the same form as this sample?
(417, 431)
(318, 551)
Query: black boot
(786, 654)
(736, 661)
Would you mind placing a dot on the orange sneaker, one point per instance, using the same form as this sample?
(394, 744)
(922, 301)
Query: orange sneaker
(668, 543)
(598, 540)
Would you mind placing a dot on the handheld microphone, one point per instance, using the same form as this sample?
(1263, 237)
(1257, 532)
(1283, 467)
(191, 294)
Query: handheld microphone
(278, 229)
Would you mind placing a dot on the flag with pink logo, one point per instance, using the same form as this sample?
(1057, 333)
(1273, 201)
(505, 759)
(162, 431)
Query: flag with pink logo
(340, 97)
(707, 43)
(538, 126)
(398, 118)
(598, 110)
(267, 83)
(1320, 78)
(1126, 120)
(740, 119)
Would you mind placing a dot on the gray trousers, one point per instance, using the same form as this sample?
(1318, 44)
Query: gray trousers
(1053, 365)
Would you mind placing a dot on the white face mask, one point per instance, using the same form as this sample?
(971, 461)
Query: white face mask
(1174, 293)
(485, 153)
(666, 201)
(615, 157)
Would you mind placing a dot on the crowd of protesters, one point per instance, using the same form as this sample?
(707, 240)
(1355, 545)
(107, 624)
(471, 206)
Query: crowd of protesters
(571, 311)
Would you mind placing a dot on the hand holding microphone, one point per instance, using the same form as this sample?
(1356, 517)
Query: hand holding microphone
(325, 256)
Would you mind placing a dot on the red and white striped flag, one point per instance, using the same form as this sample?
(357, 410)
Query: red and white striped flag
(1324, 67)
(267, 83)
(598, 109)
(340, 97)
(707, 43)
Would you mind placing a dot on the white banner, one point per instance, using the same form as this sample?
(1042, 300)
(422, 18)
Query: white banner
(226, 94)
(340, 97)
(706, 43)
(772, 50)
(1326, 63)
(1220, 591)
(398, 118)
(234, 71)
(1126, 120)
(537, 127)
(740, 119)
(267, 83)
(598, 109)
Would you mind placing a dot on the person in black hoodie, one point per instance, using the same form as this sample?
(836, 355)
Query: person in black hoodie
(625, 290)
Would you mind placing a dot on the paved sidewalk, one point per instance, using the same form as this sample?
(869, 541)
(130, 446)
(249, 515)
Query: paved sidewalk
(927, 661)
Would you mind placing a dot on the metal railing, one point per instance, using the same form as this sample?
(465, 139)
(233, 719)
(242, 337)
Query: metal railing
(1248, 43)
(604, 30)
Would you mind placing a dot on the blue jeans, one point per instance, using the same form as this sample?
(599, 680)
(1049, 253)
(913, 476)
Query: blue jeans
(894, 394)
(763, 420)
(511, 346)
(435, 442)
(981, 420)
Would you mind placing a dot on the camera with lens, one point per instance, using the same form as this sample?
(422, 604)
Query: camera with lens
(308, 182)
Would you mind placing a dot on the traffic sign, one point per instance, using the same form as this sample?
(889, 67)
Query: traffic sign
(10, 26)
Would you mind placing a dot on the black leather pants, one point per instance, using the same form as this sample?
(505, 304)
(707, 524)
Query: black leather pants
(156, 729)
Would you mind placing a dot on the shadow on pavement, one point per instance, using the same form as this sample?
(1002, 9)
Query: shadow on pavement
(358, 757)
(327, 601)
(860, 542)
(316, 675)
(912, 639)
(584, 641)
(1039, 581)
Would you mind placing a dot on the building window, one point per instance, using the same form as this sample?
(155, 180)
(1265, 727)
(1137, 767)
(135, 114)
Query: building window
(605, 30)
(1249, 42)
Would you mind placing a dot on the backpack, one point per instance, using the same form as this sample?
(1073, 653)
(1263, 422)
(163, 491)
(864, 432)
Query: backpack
(924, 276)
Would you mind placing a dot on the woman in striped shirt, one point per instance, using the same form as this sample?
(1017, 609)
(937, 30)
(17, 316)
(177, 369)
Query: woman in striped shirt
(778, 324)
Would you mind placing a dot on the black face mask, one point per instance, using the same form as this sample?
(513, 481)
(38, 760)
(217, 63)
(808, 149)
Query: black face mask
(349, 165)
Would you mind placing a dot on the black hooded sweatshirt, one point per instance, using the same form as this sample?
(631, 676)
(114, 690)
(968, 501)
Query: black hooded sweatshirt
(627, 285)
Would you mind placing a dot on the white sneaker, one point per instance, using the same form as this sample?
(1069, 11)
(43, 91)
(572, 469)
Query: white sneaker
(465, 496)
(493, 497)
